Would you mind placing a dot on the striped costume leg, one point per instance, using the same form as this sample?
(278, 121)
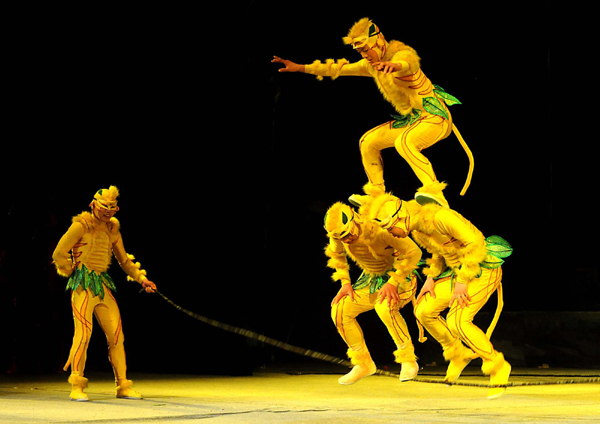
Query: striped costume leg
(392, 318)
(428, 310)
(371, 145)
(344, 317)
(424, 133)
(460, 321)
(109, 317)
(83, 303)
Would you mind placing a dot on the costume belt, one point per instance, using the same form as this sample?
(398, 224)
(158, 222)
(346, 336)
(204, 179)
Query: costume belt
(95, 281)
(375, 281)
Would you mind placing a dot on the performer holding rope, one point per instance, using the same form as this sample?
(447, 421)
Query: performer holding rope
(463, 272)
(424, 116)
(83, 254)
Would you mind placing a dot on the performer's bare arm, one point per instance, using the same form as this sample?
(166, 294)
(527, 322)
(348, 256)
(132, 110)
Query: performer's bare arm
(289, 65)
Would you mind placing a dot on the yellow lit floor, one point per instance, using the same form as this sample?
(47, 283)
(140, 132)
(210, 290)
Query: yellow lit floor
(287, 397)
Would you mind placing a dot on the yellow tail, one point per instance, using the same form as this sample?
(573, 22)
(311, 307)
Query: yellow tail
(471, 160)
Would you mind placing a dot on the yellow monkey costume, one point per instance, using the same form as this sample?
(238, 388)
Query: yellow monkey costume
(83, 254)
(424, 116)
(460, 254)
(384, 259)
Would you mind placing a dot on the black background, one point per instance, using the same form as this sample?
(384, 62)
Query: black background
(226, 167)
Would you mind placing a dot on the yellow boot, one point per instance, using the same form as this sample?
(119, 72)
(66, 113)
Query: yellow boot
(371, 191)
(499, 370)
(432, 193)
(406, 357)
(459, 356)
(363, 366)
(77, 385)
(124, 390)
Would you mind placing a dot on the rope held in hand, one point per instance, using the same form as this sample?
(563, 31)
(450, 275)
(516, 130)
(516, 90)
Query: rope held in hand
(339, 361)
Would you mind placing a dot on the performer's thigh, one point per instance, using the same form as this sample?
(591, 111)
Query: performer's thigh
(347, 309)
(460, 320)
(344, 315)
(83, 303)
(406, 292)
(429, 308)
(480, 290)
(421, 135)
(379, 138)
(394, 321)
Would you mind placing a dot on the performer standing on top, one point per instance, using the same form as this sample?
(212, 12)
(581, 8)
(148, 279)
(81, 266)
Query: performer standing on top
(83, 254)
(424, 116)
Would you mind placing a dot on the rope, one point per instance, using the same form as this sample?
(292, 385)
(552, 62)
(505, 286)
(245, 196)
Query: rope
(339, 361)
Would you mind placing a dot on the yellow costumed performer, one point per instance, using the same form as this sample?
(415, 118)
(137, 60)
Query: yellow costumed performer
(423, 120)
(83, 254)
(462, 274)
(387, 283)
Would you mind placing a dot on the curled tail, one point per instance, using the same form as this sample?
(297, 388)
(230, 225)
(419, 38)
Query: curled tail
(471, 160)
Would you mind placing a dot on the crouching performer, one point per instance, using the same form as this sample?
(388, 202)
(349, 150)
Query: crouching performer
(387, 283)
(462, 274)
(83, 254)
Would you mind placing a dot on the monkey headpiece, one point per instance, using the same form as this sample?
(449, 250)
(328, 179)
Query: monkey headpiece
(106, 199)
(340, 221)
(366, 33)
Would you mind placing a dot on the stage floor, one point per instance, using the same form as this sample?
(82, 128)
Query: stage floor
(298, 396)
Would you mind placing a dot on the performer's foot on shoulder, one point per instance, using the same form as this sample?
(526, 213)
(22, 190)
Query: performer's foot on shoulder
(358, 200)
(371, 190)
(432, 193)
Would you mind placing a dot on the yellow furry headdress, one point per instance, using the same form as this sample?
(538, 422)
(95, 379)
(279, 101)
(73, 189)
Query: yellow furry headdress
(106, 198)
(363, 32)
(339, 220)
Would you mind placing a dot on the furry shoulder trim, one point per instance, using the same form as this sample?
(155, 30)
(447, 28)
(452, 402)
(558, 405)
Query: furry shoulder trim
(86, 219)
(406, 52)
(89, 222)
(373, 207)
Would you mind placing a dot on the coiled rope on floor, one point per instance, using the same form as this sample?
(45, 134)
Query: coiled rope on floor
(339, 361)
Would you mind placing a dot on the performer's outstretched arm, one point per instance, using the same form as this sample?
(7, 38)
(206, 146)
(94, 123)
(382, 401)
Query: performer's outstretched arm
(289, 66)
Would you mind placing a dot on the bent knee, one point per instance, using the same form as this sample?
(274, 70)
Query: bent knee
(423, 312)
(369, 143)
(383, 309)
